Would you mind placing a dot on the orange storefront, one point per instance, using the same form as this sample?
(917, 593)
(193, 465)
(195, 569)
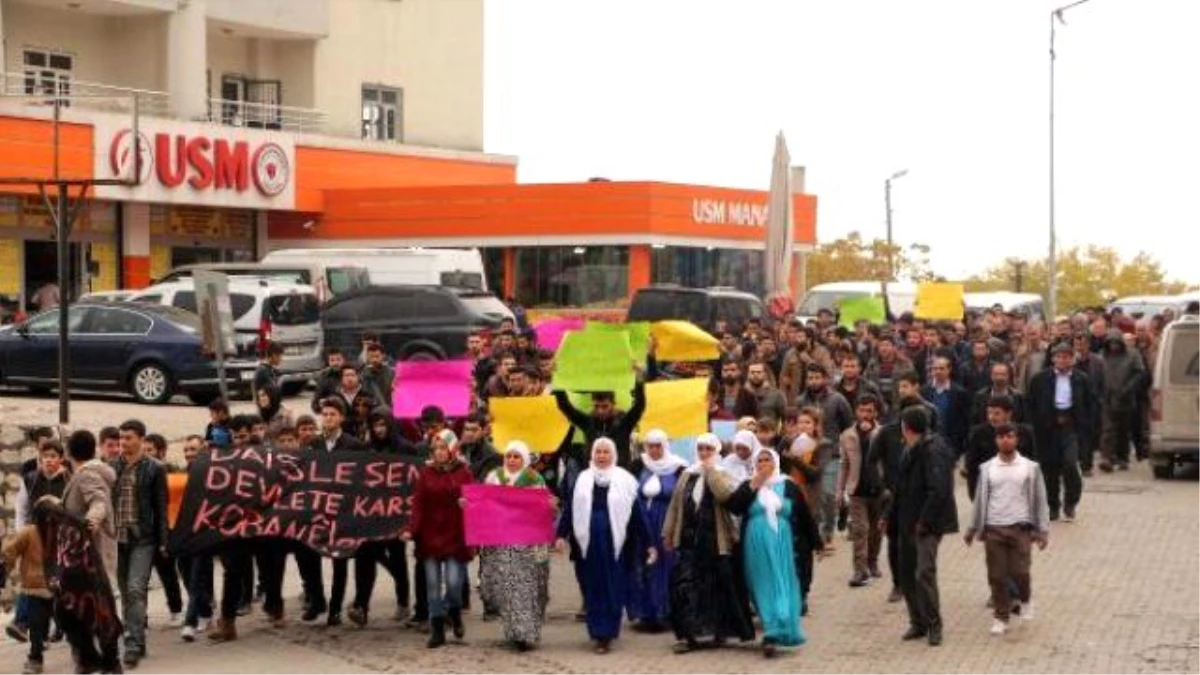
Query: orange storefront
(550, 246)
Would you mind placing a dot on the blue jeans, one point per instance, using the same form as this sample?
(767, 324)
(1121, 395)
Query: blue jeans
(134, 564)
(197, 573)
(451, 572)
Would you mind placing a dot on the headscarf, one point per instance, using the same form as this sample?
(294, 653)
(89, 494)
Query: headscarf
(697, 469)
(451, 440)
(622, 491)
(387, 443)
(521, 449)
(768, 499)
(275, 402)
(669, 463)
(742, 469)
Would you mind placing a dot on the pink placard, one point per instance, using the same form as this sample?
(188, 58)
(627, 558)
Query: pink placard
(550, 332)
(446, 384)
(499, 515)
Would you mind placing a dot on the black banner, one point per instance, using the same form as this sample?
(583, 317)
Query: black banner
(75, 572)
(330, 501)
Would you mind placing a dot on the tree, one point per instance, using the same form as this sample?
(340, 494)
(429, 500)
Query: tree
(853, 259)
(1085, 277)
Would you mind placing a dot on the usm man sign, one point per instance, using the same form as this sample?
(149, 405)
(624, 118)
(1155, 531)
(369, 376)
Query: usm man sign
(722, 212)
(200, 164)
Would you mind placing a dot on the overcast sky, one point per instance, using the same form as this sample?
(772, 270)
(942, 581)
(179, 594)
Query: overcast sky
(955, 91)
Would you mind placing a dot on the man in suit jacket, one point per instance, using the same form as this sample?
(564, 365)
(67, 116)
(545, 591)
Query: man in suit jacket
(88, 495)
(333, 437)
(924, 511)
(1059, 407)
(953, 403)
(981, 443)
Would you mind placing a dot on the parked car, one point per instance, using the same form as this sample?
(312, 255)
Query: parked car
(1138, 306)
(701, 306)
(329, 278)
(901, 296)
(414, 323)
(150, 351)
(461, 267)
(1175, 398)
(264, 311)
(108, 296)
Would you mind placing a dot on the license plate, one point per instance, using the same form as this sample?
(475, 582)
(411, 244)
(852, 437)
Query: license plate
(247, 375)
(298, 349)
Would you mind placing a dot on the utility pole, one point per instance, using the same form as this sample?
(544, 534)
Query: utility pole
(887, 202)
(1019, 273)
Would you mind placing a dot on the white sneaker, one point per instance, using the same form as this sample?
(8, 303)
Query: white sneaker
(1027, 611)
(999, 627)
(188, 634)
(176, 620)
(202, 625)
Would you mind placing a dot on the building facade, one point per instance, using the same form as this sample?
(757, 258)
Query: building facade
(242, 109)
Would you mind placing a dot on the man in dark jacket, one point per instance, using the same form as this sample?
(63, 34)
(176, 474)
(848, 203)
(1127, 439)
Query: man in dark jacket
(981, 442)
(924, 511)
(476, 450)
(976, 373)
(1092, 365)
(377, 376)
(140, 507)
(266, 376)
(1123, 372)
(1058, 407)
(733, 397)
(1001, 385)
(605, 420)
(836, 412)
(330, 380)
(883, 460)
(953, 403)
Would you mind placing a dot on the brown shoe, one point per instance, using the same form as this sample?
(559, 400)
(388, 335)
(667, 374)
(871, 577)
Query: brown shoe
(1106, 466)
(277, 620)
(223, 631)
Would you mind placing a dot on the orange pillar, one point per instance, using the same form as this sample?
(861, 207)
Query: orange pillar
(639, 268)
(510, 272)
(136, 271)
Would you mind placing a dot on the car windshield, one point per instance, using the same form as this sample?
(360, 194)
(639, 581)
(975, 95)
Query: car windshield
(462, 279)
(654, 305)
(1184, 360)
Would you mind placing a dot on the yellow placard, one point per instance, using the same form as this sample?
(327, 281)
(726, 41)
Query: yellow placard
(678, 407)
(683, 341)
(535, 420)
(10, 266)
(105, 257)
(939, 301)
(160, 261)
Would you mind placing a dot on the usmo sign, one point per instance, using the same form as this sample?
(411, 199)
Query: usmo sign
(198, 164)
(721, 212)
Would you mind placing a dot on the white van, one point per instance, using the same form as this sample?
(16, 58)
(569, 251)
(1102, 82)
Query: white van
(1030, 303)
(902, 295)
(1175, 399)
(460, 267)
(329, 280)
(1139, 306)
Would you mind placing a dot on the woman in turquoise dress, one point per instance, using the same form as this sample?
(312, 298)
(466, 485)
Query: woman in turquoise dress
(776, 525)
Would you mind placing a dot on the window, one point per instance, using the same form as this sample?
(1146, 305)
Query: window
(47, 323)
(436, 306)
(241, 304)
(293, 309)
(185, 300)
(103, 321)
(702, 268)
(48, 73)
(566, 276)
(381, 113)
(151, 299)
(1184, 357)
(251, 103)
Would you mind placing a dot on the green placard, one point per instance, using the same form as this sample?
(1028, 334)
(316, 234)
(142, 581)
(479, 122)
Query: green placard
(868, 307)
(594, 361)
(639, 335)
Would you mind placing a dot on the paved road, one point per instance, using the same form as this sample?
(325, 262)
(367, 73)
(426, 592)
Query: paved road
(1116, 591)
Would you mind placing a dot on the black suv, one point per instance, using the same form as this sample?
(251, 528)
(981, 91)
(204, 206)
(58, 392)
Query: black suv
(702, 306)
(414, 323)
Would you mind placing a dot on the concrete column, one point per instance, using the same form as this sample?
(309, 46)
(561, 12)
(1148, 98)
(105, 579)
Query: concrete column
(261, 235)
(187, 60)
(135, 245)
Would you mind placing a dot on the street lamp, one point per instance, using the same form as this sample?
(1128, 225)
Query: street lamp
(1056, 17)
(887, 200)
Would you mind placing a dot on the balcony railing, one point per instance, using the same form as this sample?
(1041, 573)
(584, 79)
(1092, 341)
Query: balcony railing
(267, 116)
(29, 86)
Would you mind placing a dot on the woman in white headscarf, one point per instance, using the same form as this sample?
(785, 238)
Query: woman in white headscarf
(601, 525)
(708, 595)
(516, 578)
(776, 525)
(740, 462)
(657, 472)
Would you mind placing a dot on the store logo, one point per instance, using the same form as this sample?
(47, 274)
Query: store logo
(121, 156)
(719, 212)
(203, 163)
(271, 169)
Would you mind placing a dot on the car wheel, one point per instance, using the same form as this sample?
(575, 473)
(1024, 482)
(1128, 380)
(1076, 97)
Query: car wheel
(150, 383)
(204, 397)
(423, 355)
(290, 389)
(40, 391)
(1163, 471)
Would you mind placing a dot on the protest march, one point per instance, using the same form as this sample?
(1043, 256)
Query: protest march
(693, 478)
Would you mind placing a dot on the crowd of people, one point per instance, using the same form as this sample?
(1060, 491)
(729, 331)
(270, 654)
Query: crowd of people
(864, 429)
